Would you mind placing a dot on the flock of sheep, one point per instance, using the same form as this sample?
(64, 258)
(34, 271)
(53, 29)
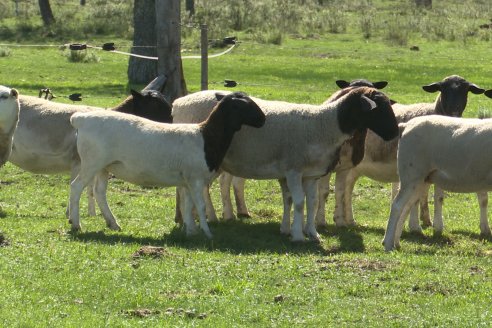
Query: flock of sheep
(357, 132)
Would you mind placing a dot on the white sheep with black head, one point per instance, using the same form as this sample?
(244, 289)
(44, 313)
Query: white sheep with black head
(184, 155)
(379, 162)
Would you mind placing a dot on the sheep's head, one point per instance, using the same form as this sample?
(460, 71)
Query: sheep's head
(488, 93)
(152, 105)
(9, 108)
(454, 94)
(365, 107)
(342, 84)
(240, 109)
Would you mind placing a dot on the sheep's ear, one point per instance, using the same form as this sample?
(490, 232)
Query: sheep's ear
(367, 104)
(488, 93)
(475, 89)
(380, 84)
(342, 84)
(433, 87)
(14, 93)
(219, 95)
(136, 94)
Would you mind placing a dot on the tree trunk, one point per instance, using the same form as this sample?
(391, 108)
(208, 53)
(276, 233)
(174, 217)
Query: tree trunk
(169, 47)
(46, 13)
(424, 3)
(82, 2)
(190, 7)
(144, 18)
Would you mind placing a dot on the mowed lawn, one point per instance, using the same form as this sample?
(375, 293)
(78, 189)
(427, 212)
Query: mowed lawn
(249, 274)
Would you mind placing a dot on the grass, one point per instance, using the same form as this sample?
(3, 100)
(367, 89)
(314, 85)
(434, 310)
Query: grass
(248, 275)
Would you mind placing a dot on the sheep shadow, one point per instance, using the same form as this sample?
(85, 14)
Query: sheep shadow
(235, 237)
(472, 235)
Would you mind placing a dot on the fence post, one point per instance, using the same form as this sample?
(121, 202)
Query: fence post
(204, 55)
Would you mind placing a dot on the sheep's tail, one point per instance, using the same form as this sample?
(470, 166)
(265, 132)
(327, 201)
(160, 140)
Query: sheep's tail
(76, 121)
(401, 127)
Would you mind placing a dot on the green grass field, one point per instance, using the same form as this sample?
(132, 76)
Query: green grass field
(248, 275)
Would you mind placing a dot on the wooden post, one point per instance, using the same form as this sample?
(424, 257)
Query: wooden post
(204, 55)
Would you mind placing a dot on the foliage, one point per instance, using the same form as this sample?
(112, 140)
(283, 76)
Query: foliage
(5, 52)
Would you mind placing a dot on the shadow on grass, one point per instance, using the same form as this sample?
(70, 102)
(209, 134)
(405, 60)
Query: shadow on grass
(419, 238)
(472, 235)
(237, 237)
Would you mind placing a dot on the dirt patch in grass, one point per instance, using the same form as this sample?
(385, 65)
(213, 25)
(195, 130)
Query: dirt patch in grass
(150, 251)
(141, 313)
(360, 264)
(4, 241)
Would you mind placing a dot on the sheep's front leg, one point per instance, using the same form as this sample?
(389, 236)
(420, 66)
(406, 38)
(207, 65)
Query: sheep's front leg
(76, 188)
(424, 209)
(323, 192)
(294, 183)
(209, 206)
(438, 201)
(178, 213)
(91, 203)
(186, 208)
(197, 190)
(287, 202)
(225, 181)
(310, 186)
(413, 223)
(238, 186)
(101, 189)
(483, 200)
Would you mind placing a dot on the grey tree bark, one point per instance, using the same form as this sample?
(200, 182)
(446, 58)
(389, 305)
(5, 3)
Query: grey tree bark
(46, 12)
(168, 27)
(144, 18)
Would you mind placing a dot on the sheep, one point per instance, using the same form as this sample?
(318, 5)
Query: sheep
(301, 143)
(379, 162)
(183, 155)
(454, 154)
(44, 141)
(9, 117)
(194, 108)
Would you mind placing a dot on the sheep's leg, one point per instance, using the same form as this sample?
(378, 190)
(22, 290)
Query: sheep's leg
(225, 181)
(209, 206)
(413, 223)
(100, 189)
(197, 190)
(77, 186)
(340, 185)
(287, 202)
(294, 183)
(238, 187)
(424, 209)
(186, 208)
(310, 186)
(438, 201)
(91, 203)
(178, 213)
(323, 192)
(404, 197)
(483, 200)
(350, 181)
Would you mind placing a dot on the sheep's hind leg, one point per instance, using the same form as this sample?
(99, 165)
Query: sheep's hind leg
(483, 200)
(238, 187)
(100, 191)
(76, 188)
(438, 224)
(186, 208)
(294, 183)
(310, 187)
(287, 202)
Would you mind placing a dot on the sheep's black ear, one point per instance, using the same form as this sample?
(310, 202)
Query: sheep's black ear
(475, 89)
(14, 93)
(219, 95)
(136, 94)
(488, 93)
(433, 87)
(342, 84)
(367, 104)
(380, 84)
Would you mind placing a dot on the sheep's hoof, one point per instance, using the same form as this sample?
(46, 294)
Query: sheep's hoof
(285, 231)
(114, 227)
(315, 238)
(244, 215)
(298, 239)
(437, 233)
(76, 229)
(228, 218)
(213, 219)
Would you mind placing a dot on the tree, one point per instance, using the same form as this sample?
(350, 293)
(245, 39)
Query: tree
(168, 27)
(46, 13)
(143, 70)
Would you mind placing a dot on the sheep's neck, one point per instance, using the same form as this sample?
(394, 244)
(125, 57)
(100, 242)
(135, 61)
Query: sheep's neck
(217, 137)
(125, 107)
(5, 146)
